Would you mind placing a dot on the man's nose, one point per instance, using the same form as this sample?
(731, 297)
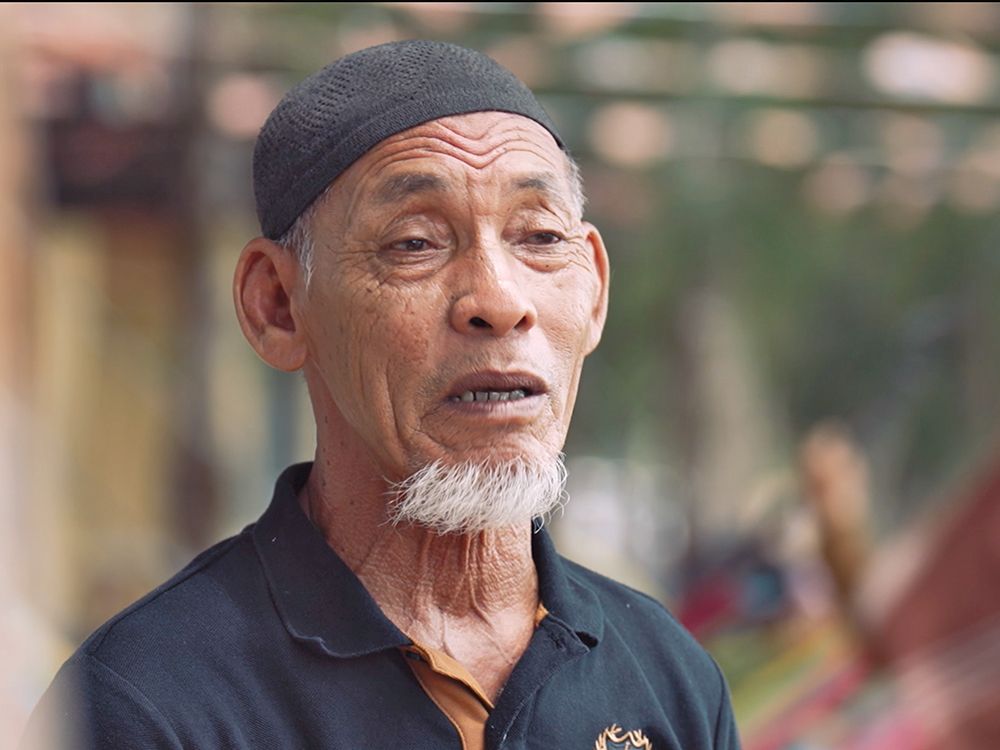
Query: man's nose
(492, 302)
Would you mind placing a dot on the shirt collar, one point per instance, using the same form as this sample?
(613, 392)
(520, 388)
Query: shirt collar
(325, 606)
(565, 595)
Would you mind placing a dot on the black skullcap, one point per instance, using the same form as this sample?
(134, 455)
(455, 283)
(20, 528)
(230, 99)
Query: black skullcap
(333, 117)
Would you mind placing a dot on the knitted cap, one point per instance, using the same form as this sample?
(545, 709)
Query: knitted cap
(329, 120)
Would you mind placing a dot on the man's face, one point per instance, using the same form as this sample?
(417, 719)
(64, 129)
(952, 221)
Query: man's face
(451, 262)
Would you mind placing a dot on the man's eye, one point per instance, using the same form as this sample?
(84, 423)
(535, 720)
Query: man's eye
(412, 245)
(544, 238)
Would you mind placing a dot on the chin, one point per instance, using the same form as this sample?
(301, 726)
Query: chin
(504, 450)
(473, 496)
(490, 458)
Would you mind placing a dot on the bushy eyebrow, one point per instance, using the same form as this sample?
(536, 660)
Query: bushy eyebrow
(402, 186)
(541, 182)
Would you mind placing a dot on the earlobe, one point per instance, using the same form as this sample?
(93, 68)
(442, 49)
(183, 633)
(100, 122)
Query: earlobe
(599, 312)
(265, 287)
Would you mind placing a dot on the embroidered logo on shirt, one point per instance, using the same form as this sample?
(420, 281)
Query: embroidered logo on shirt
(615, 738)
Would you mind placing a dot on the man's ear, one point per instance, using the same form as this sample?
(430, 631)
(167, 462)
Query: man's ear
(599, 312)
(264, 287)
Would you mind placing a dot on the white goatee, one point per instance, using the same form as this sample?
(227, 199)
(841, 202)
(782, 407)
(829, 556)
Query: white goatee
(468, 498)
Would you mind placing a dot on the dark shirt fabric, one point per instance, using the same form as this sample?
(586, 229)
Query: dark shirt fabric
(268, 640)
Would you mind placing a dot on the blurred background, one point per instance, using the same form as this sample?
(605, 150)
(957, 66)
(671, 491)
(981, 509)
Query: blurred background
(789, 434)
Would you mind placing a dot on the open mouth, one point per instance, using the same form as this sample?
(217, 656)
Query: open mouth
(478, 396)
(490, 387)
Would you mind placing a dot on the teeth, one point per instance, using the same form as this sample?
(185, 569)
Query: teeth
(515, 395)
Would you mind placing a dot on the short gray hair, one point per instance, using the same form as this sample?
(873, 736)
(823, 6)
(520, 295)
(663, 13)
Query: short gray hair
(300, 241)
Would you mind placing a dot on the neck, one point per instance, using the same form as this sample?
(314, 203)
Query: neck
(472, 595)
(411, 568)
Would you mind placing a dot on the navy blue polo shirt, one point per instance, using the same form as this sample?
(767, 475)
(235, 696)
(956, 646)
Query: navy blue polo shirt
(268, 640)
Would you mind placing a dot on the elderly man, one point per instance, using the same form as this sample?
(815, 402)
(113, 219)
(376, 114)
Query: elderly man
(425, 264)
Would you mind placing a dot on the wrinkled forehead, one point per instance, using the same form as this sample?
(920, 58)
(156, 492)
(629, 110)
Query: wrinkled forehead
(497, 148)
(477, 141)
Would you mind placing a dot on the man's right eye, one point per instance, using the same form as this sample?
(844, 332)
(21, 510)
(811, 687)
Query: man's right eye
(412, 245)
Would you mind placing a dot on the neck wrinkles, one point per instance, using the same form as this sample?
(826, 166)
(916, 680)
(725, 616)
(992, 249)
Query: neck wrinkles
(414, 574)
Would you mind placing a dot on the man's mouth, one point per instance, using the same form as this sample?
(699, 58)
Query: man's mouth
(496, 386)
(513, 395)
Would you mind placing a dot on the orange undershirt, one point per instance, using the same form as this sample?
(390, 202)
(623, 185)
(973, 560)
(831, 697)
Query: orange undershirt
(454, 690)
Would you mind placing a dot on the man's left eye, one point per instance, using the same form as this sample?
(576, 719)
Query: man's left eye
(544, 238)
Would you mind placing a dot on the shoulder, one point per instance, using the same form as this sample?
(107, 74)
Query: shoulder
(90, 706)
(153, 661)
(628, 607)
(196, 611)
(645, 627)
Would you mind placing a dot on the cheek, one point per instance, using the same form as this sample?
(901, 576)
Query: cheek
(340, 324)
(567, 315)
(566, 320)
(385, 339)
(406, 325)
